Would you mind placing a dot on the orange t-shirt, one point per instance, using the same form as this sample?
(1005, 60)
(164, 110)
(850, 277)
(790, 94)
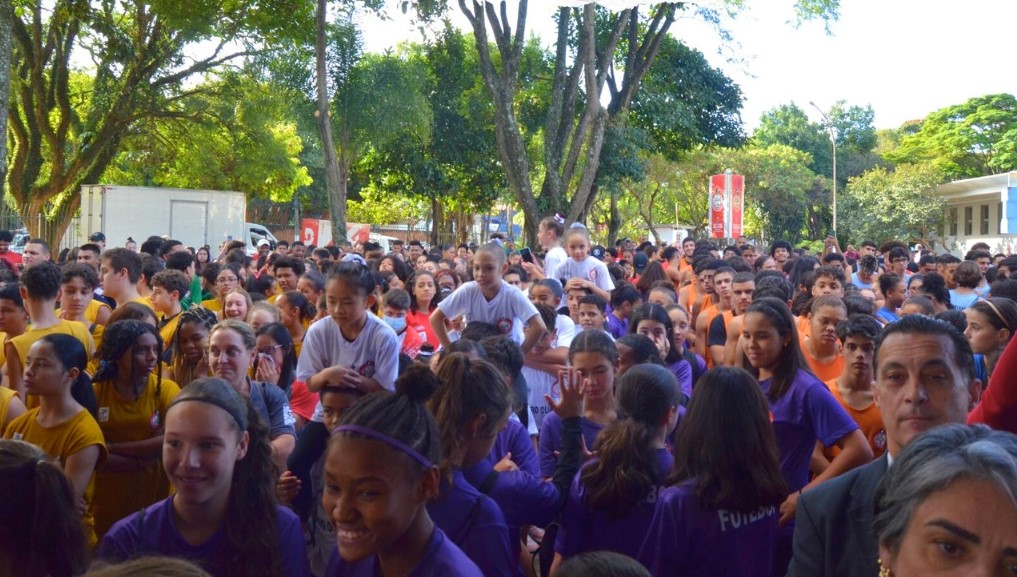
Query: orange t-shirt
(804, 329)
(711, 313)
(869, 420)
(825, 371)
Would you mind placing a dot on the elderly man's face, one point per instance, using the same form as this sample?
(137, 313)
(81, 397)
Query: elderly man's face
(920, 385)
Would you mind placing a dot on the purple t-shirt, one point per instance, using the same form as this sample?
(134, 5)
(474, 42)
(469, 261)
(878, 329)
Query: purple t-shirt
(512, 439)
(442, 557)
(616, 326)
(156, 534)
(583, 529)
(685, 539)
(683, 372)
(476, 525)
(806, 413)
(550, 440)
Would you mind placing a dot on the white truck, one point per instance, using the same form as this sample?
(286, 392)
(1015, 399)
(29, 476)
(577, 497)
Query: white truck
(194, 217)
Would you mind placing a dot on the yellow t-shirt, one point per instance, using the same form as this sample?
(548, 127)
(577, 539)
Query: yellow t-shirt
(147, 301)
(167, 328)
(122, 493)
(24, 342)
(5, 402)
(214, 305)
(60, 442)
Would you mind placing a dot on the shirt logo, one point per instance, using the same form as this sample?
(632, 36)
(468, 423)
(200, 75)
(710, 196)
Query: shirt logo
(153, 421)
(103, 414)
(504, 326)
(367, 369)
(879, 441)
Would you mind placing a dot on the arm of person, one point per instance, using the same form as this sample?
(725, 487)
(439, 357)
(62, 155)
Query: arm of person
(855, 451)
(15, 408)
(79, 468)
(536, 272)
(437, 321)
(819, 462)
(733, 349)
(145, 449)
(14, 370)
(557, 357)
(282, 446)
(337, 376)
(701, 331)
(717, 340)
(103, 315)
(539, 364)
(534, 330)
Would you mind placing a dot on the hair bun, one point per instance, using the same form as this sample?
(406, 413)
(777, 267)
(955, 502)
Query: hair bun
(418, 383)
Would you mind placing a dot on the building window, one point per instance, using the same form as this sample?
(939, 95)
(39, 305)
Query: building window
(953, 221)
(985, 219)
(968, 220)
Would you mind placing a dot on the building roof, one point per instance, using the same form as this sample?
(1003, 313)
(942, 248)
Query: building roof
(977, 186)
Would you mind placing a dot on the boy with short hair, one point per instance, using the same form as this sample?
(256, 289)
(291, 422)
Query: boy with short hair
(77, 303)
(40, 286)
(394, 307)
(119, 272)
(168, 288)
(592, 313)
(624, 298)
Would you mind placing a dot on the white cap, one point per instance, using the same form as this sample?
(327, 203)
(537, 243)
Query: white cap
(264, 242)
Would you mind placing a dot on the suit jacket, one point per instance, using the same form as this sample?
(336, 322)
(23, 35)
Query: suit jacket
(833, 526)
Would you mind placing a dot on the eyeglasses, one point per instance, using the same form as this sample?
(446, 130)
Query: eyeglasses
(270, 349)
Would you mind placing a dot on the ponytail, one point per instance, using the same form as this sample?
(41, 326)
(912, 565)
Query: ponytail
(470, 389)
(626, 469)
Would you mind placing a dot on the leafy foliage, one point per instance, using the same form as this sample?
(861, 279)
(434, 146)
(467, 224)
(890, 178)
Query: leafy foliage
(894, 205)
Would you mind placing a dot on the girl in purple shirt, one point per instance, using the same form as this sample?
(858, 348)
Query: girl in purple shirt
(719, 516)
(802, 410)
(380, 474)
(608, 511)
(224, 515)
(652, 321)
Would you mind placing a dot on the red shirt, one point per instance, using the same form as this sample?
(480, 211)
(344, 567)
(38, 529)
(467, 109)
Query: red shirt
(12, 258)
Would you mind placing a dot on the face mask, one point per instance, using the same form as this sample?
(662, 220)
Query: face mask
(444, 292)
(397, 324)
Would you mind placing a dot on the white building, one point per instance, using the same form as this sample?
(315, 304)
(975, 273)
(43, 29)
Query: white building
(982, 209)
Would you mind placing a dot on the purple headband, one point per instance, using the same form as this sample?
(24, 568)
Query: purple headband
(385, 439)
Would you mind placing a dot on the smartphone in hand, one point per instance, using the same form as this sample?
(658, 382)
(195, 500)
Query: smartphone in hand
(527, 254)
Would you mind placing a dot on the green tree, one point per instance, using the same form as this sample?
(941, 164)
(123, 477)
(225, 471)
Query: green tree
(976, 138)
(237, 138)
(895, 204)
(62, 136)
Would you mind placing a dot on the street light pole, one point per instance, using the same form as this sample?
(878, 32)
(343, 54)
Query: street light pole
(833, 141)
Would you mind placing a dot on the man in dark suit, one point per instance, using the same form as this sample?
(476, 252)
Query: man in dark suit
(925, 377)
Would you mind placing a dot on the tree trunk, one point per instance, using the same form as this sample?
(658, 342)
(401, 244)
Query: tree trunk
(614, 219)
(335, 176)
(6, 45)
(437, 220)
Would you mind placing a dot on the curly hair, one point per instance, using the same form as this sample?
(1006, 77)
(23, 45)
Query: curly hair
(118, 338)
(183, 371)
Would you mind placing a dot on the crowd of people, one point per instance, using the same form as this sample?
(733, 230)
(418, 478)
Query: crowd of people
(477, 410)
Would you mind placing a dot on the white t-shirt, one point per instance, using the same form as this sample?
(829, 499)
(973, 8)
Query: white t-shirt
(508, 310)
(538, 384)
(553, 260)
(591, 269)
(566, 330)
(374, 353)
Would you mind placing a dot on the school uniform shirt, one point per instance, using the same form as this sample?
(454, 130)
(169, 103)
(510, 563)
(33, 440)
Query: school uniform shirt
(550, 440)
(857, 281)
(274, 408)
(552, 260)
(515, 439)
(374, 353)
(717, 335)
(682, 371)
(410, 342)
(616, 326)
(887, 316)
(118, 494)
(584, 529)
(474, 523)
(538, 384)
(806, 413)
(686, 539)
(155, 533)
(961, 301)
(213, 304)
(507, 310)
(168, 328)
(591, 269)
(565, 330)
(824, 371)
(302, 401)
(442, 558)
(869, 420)
(60, 442)
(64, 327)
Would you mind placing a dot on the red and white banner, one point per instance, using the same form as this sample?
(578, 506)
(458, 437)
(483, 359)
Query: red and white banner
(737, 204)
(717, 212)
